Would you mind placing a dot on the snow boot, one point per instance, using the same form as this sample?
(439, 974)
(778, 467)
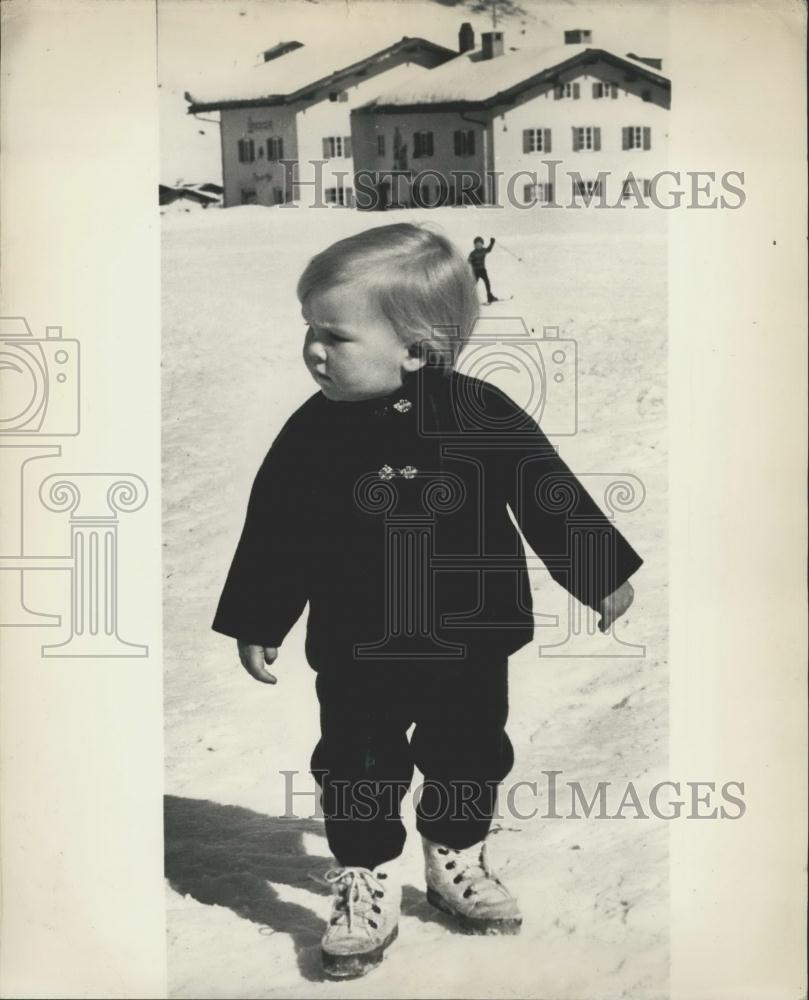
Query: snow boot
(364, 920)
(461, 884)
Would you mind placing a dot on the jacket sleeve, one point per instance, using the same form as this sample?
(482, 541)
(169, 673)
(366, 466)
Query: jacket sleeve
(265, 589)
(491, 244)
(579, 545)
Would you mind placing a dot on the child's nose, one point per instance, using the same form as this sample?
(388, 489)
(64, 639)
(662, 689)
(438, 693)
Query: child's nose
(315, 350)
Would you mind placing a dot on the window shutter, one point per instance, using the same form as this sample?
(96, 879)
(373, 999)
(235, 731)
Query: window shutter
(416, 144)
(576, 91)
(546, 140)
(557, 93)
(456, 138)
(625, 138)
(270, 145)
(347, 146)
(647, 138)
(596, 138)
(576, 146)
(279, 146)
(526, 140)
(613, 89)
(471, 146)
(325, 149)
(429, 143)
(597, 91)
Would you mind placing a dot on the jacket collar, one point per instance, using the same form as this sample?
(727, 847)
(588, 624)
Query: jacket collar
(417, 389)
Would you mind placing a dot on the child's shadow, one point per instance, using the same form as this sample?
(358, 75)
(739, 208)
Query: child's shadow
(233, 857)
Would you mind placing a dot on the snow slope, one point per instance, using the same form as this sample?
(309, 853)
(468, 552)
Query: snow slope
(245, 913)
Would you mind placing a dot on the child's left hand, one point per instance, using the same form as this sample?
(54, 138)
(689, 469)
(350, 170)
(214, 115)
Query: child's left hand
(615, 605)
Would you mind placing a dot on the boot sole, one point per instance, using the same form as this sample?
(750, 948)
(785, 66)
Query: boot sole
(474, 925)
(354, 966)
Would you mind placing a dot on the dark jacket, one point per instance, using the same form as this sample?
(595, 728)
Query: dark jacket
(389, 517)
(477, 258)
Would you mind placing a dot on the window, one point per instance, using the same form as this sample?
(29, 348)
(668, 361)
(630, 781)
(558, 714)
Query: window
(570, 90)
(339, 95)
(605, 90)
(380, 145)
(275, 149)
(248, 196)
(536, 140)
(339, 196)
(587, 189)
(336, 145)
(538, 192)
(636, 137)
(633, 187)
(422, 143)
(587, 137)
(464, 140)
(247, 151)
(277, 196)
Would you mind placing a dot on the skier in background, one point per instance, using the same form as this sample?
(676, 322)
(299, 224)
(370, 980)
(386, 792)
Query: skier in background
(477, 258)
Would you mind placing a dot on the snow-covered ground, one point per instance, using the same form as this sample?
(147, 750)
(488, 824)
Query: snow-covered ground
(245, 913)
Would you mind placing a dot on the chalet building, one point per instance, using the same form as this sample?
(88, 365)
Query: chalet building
(558, 125)
(287, 109)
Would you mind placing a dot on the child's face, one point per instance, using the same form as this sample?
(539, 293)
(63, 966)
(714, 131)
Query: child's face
(351, 349)
(478, 243)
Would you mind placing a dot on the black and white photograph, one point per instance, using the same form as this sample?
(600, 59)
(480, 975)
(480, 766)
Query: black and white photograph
(414, 349)
(402, 552)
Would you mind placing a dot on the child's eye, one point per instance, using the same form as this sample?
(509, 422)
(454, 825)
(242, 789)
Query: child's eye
(327, 334)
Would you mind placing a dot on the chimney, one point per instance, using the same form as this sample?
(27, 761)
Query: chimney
(579, 36)
(466, 38)
(491, 43)
(280, 49)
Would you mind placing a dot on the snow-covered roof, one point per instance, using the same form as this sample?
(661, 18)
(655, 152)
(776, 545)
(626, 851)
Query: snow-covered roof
(291, 75)
(469, 78)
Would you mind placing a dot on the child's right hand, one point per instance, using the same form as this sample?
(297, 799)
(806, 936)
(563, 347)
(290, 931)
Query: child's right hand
(253, 659)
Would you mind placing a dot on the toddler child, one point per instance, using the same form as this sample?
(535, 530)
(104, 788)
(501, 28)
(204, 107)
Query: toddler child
(384, 504)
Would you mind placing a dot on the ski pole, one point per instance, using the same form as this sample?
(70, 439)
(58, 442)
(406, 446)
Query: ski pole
(503, 247)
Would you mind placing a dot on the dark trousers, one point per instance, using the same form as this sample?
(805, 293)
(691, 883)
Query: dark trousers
(364, 761)
(484, 274)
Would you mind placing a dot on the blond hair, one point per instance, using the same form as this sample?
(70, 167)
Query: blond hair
(417, 278)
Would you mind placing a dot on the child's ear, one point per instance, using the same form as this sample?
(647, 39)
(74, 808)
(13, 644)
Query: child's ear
(416, 356)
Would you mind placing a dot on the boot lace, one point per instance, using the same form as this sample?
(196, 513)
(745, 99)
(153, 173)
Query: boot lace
(356, 890)
(468, 869)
